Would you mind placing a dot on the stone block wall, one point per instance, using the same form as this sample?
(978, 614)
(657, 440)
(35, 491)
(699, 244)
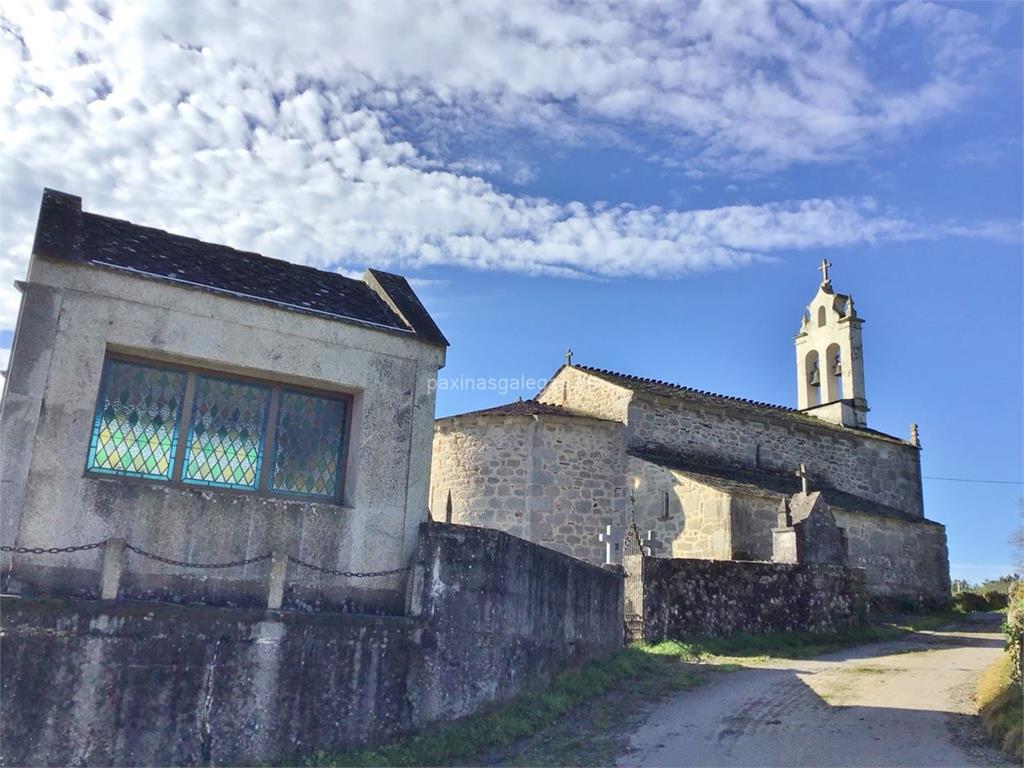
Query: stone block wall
(581, 392)
(554, 480)
(136, 683)
(876, 468)
(753, 517)
(903, 559)
(484, 464)
(698, 523)
(705, 597)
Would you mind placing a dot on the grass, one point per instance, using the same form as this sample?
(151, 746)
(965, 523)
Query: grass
(1001, 705)
(527, 714)
(579, 718)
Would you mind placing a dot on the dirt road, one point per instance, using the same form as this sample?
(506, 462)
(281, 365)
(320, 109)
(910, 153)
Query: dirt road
(899, 703)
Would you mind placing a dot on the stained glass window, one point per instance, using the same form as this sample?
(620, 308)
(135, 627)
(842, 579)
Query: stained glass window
(225, 438)
(141, 430)
(309, 435)
(135, 432)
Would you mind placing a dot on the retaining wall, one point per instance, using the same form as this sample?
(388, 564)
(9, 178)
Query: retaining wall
(718, 597)
(139, 683)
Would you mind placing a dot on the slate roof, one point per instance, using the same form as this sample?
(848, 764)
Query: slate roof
(526, 408)
(67, 233)
(667, 389)
(755, 482)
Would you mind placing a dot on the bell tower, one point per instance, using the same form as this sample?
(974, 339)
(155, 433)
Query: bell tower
(830, 358)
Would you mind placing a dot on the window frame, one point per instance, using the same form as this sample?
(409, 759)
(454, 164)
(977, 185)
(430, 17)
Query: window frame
(264, 488)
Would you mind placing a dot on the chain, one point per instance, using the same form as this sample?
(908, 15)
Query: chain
(350, 574)
(187, 564)
(51, 550)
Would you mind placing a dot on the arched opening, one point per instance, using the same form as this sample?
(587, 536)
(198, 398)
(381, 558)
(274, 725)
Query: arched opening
(812, 378)
(833, 373)
(822, 316)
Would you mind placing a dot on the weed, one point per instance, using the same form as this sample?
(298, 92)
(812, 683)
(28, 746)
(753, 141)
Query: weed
(1000, 704)
(647, 672)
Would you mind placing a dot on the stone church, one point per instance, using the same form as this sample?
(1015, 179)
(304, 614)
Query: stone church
(711, 475)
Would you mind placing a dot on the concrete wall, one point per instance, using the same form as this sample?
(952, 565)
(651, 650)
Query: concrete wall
(123, 683)
(702, 597)
(103, 683)
(554, 480)
(506, 615)
(903, 559)
(72, 315)
(699, 521)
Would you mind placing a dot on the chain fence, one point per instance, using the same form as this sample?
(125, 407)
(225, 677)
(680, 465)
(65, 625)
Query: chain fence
(52, 550)
(349, 574)
(191, 564)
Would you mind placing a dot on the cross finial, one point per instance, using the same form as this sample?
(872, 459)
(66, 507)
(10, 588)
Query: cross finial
(825, 264)
(568, 357)
(802, 474)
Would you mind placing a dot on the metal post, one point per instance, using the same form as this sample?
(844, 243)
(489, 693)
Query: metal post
(278, 568)
(113, 566)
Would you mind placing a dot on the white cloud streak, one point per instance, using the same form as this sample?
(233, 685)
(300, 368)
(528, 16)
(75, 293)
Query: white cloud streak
(289, 132)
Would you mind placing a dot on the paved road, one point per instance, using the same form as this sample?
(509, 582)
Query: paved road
(899, 703)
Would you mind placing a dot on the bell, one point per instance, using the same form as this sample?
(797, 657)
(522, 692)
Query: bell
(815, 378)
(838, 368)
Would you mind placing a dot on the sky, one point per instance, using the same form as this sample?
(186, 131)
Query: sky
(652, 185)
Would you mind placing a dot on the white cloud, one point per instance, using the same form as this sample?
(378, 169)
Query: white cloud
(322, 135)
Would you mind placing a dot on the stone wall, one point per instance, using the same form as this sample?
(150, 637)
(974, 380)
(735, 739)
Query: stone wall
(903, 559)
(706, 597)
(554, 480)
(753, 517)
(134, 683)
(120, 683)
(581, 392)
(879, 469)
(73, 315)
(698, 523)
(505, 615)
(867, 464)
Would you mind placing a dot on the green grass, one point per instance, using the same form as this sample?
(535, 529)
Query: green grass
(524, 715)
(799, 645)
(1001, 705)
(578, 718)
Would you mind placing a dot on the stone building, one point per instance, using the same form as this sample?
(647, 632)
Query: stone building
(208, 405)
(706, 472)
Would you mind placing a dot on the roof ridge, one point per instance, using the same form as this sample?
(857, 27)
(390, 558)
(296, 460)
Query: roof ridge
(684, 388)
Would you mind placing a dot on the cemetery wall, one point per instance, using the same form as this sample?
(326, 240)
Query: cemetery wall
(144, 683)
(905, 560)
(684, 597)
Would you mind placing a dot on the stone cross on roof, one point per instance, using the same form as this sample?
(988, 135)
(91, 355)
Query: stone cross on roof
(802, 474)
(612, 539)
(825, 264)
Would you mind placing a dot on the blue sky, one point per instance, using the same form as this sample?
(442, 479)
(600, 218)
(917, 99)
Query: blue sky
(651, 185)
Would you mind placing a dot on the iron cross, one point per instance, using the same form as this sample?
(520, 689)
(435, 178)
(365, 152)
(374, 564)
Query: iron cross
(568, 357)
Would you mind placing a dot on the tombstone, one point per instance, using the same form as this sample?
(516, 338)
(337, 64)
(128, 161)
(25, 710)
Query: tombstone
(612, 538)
